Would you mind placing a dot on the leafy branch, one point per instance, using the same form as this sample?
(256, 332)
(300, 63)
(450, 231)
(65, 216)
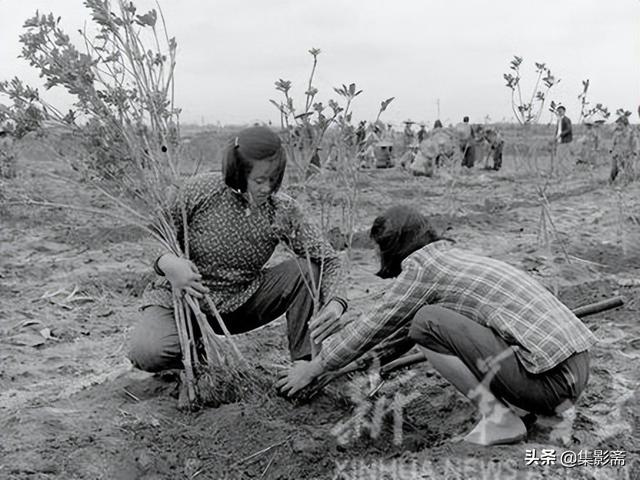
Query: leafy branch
(586, 111)
(529, 111)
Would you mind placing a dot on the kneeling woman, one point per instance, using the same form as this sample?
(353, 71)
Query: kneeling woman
(235, 221)
(491, 330)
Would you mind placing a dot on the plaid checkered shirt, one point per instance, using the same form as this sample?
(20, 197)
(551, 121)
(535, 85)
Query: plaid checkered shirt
(542, 330)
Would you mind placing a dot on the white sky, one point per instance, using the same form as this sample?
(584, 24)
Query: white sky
(232, 51)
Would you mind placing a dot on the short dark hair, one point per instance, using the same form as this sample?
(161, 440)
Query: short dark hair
(255, 144)
(561, 108)
(399, 232)
(465, 119)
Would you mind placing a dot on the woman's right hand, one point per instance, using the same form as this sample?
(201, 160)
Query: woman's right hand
(183, 275)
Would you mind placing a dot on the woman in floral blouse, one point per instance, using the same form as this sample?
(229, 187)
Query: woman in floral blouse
(234, 224)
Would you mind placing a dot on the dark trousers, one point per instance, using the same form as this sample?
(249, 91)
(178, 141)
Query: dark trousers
(469, 155)
(497, 158)
(155, 345)
(494, 363)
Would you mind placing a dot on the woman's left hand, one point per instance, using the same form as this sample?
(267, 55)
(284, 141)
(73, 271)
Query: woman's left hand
(301, 374)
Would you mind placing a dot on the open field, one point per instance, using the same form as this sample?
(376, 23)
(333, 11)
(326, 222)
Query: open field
(71, 407)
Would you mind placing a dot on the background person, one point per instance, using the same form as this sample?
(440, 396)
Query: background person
(564, 136)
(467, 142)
(7, 152)
(496, 145)
(422, 133)
(624, 152)
(564, 131)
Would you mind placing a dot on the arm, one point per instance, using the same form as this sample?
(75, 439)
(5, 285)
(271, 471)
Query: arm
(396, 309)
(407, 294)
(182, 273)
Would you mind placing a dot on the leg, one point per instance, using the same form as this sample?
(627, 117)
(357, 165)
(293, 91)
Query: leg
(499, 425)
(614, 169)
(491, 360)
(484, 368)
(472, 155)
(284, 290)
(497, 159)
(154, 344)
(465, 155)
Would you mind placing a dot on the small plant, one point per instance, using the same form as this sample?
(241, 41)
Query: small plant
(329, 187)
(528, 111)
(305, 129)
(586, 110)
(538, 165)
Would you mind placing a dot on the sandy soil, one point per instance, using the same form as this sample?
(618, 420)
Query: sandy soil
(71, 407)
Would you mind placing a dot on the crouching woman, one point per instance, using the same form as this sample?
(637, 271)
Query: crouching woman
(495, 333)
(234, 223)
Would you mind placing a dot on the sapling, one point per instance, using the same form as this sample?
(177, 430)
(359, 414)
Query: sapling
(528, 110)
(122, 80)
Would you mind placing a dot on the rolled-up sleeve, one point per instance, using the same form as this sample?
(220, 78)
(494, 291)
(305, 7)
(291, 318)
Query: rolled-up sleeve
(396, 309)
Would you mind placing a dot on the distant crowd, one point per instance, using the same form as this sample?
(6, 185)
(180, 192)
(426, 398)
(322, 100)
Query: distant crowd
(422, 151)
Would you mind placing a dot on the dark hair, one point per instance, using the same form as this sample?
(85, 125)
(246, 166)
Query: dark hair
(561, 108)
(399, 232)
(254, 144)
(465, 119)
(437, 124)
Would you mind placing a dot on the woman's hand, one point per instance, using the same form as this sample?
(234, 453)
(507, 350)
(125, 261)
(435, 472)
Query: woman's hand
(183, 275)
(301, 374)
(327, 322)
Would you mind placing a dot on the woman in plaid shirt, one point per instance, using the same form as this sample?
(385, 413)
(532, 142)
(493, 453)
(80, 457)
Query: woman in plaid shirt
(495, 333)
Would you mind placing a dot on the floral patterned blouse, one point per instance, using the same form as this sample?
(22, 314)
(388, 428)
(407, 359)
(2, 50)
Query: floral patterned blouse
(230, 242)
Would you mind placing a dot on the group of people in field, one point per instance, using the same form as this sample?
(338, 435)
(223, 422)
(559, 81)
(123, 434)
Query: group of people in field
(623, 153)
(426, 151)
(462, 310)
(451, 146)
(422, 152)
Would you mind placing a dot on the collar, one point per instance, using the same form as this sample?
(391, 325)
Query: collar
(246, 199)
(438, 246)
(433, 248)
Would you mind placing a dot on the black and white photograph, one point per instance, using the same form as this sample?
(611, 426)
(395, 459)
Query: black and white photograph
(319, 239)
